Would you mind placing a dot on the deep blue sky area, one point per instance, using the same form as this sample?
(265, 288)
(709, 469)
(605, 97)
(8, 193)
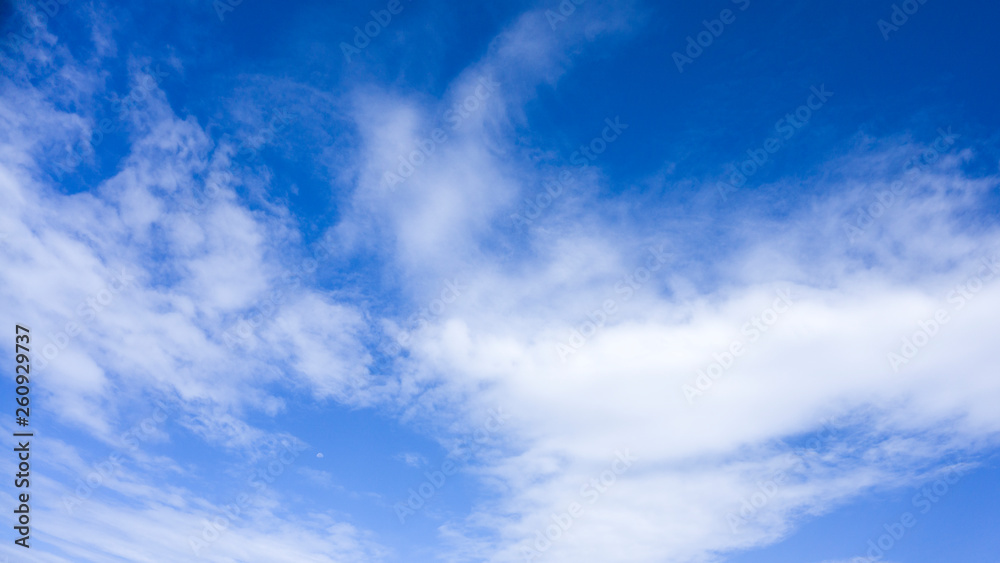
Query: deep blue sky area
(935, 71)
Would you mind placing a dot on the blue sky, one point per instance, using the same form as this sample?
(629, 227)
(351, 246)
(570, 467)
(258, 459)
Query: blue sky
(536, 281)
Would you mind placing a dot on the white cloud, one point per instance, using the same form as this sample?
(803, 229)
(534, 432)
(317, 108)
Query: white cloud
(194, 264)
(412, 459)
(826, 355)
(623, 389)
